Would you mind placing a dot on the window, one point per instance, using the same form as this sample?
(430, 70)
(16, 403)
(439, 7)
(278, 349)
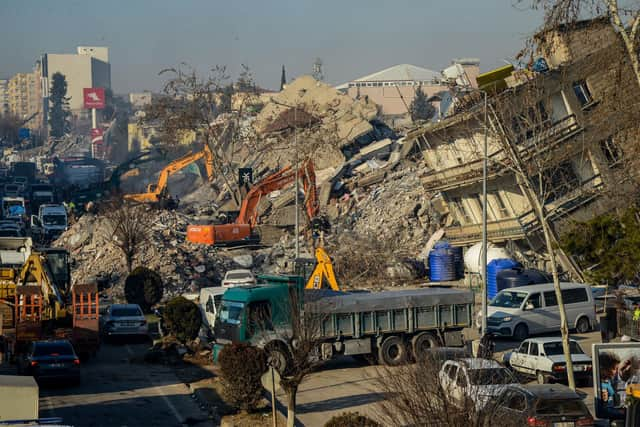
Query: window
(535, 300)
(557, 181)
(533, 348)
(209, 306)
(550, 299)
(582, 93)
(573, 296)
(259, 316)
(503, 211)
(463, 215)
(611, 150)
(452, 371)
(523, 348)
(517, 402)
(462, 379)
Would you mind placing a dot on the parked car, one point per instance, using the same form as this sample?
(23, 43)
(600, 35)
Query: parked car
(478, 380)
(238, 278)
(439, 355)
(543, 359)
(527, 310)
(124, 319)
(50, 360)
(539, 405)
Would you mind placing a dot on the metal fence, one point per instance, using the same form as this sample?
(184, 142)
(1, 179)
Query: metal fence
(628, 326)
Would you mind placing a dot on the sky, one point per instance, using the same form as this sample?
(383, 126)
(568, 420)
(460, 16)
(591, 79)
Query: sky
(353, 38)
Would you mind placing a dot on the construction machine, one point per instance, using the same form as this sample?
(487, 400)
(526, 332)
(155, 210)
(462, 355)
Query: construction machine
(158, 193)
(242, 229)
(322, 272)
(37, 302)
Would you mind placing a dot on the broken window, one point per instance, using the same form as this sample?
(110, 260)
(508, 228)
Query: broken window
(557, 181)
(460, 212)
(612, 151)
(503, 211)
(582, 93)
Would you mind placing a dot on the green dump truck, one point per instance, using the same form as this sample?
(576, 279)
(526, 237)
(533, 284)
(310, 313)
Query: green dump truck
(390, 327)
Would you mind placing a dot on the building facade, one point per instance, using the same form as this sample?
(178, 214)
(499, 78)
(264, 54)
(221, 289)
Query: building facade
(567, 127)
(24, 98)
(4, 97)
(87, 68)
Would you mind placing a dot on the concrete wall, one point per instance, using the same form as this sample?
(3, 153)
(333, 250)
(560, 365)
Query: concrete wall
(390, 97)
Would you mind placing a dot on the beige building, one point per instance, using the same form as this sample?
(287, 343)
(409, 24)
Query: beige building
(393, 89)
(139, 100)
(4, 97)
(87, 68)
(568, 126)
(24, 98)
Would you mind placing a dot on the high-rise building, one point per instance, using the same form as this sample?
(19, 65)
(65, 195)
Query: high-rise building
(24, 97)
(4, 97)
(89, 67)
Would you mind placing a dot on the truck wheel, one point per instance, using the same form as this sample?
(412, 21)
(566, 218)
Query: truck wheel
(393, 351)
(541, 377)
(583, 325)
(279, 358)
(422, 343)
(521, 332)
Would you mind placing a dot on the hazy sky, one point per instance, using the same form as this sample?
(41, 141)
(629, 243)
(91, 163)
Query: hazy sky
(352, 37)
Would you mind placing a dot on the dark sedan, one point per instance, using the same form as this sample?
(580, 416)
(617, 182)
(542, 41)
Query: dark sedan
(50, 360)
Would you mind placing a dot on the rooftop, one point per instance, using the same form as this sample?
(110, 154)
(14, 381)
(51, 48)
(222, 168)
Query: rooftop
(401, 72)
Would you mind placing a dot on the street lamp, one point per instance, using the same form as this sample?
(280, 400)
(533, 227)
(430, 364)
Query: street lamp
(485, 293)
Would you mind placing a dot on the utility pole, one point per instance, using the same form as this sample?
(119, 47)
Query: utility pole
(485, 292)
(295, 143)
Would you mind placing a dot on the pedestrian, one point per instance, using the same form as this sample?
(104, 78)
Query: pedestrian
(636, 312)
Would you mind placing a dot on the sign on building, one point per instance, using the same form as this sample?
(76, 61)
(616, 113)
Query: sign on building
(245, 176)
(94, 97)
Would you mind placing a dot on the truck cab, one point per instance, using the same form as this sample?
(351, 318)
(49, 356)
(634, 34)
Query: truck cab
(14, 208)
(41, 194)
(50, 222)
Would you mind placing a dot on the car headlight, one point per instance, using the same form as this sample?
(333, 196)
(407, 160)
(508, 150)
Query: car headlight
(506, 319)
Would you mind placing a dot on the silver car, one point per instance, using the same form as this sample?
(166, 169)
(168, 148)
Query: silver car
(124, 319)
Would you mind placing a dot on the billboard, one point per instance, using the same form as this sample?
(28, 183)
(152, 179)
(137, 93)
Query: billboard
(615, 366)
(93, 97)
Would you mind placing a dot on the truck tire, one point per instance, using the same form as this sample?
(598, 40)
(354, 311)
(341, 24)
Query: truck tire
(393, 351)
(421, 344)
(279, 357)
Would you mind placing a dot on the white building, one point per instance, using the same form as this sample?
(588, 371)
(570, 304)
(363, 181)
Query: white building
(89, 67)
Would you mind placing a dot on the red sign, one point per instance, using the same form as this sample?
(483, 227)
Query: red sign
(93, 97)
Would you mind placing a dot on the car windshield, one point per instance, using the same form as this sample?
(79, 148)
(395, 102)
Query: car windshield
(509, 299)
(231, 312)
(126, 312)
(53, 349)
(54, 220)
(490, 376)
(236, 276)
(555, 348)
(561, 407)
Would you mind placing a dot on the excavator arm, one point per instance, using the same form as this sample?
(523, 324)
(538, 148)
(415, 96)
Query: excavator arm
(156, 192)
(322, 271)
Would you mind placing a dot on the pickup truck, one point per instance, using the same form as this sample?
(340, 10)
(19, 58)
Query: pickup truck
(386, 326)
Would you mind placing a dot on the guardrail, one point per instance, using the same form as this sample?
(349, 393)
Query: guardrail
(627, 326)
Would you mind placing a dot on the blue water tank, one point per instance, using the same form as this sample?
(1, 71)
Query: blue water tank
(493, 268)
(513, 277)
(441, 263)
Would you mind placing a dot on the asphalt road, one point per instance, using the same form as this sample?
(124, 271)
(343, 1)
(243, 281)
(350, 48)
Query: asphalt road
(115, 392)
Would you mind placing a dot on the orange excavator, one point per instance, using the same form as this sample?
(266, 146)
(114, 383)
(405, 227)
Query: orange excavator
(242, 228)
(158, 193)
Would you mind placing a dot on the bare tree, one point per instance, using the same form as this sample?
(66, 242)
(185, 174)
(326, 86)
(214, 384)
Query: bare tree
(128, 229)
(416, 395)
(624, 17)
(300, 351)
(204, 105)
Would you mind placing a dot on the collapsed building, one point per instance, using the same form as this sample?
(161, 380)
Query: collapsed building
(572, 123)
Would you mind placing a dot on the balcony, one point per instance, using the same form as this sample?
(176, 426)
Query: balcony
(497, 231)
(551, 133)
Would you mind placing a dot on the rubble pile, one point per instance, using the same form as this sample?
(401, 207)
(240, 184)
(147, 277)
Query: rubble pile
(184, 267)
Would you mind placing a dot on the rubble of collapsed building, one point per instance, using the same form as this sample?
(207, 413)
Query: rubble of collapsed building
(570, 118)
(368, 185)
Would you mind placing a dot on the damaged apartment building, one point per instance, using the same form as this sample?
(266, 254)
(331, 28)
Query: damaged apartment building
(569, 123)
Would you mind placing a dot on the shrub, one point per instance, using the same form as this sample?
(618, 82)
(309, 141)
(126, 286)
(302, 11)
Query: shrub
(182, 318)
(241, 367)
(351, 419)
(143, 287)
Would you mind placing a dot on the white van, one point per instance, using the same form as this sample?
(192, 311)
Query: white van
(527, 310)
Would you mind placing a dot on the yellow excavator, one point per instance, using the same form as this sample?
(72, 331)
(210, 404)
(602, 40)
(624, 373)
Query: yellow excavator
(322, 272)
(158, 193)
